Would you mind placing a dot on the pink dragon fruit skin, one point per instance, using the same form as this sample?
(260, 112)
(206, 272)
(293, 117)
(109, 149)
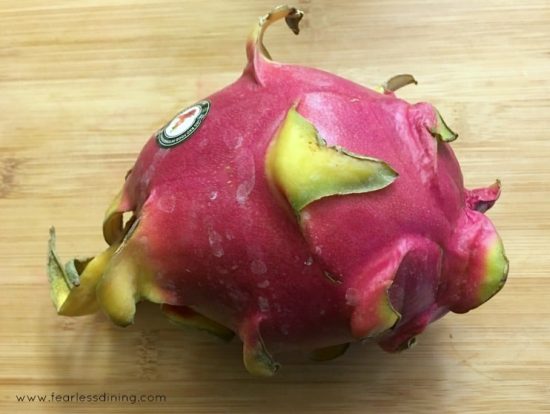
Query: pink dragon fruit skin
(304, 212)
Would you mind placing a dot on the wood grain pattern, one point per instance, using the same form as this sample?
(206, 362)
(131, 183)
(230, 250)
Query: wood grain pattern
(83, 84)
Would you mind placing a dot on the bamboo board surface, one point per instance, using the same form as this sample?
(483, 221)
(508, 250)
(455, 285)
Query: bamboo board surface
(82, 86)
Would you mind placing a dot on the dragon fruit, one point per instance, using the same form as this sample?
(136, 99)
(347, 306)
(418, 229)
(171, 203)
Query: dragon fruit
(297, 210)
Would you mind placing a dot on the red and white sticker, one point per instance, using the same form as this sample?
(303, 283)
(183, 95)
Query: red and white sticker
(183, 125)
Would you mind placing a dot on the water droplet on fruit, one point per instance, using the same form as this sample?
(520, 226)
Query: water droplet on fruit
(264, 284)
(352, 297)
(144, 240)
(213, 195)
(263, 304)
(167, 203)
(239, 141)
(150, 172)
(215, 241)
(246, 175)
(309, 261)
(217, 251)
(233, 142)
(244, 190)
(258, 267)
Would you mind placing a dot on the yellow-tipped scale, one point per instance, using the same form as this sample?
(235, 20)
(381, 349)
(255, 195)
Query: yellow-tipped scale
(114, 281)
(496, 271)
(305, 169)
(73, 287)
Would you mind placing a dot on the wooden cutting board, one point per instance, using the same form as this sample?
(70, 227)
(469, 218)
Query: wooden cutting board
(82, 86)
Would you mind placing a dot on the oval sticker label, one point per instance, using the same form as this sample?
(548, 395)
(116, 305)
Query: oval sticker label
(184, 124)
